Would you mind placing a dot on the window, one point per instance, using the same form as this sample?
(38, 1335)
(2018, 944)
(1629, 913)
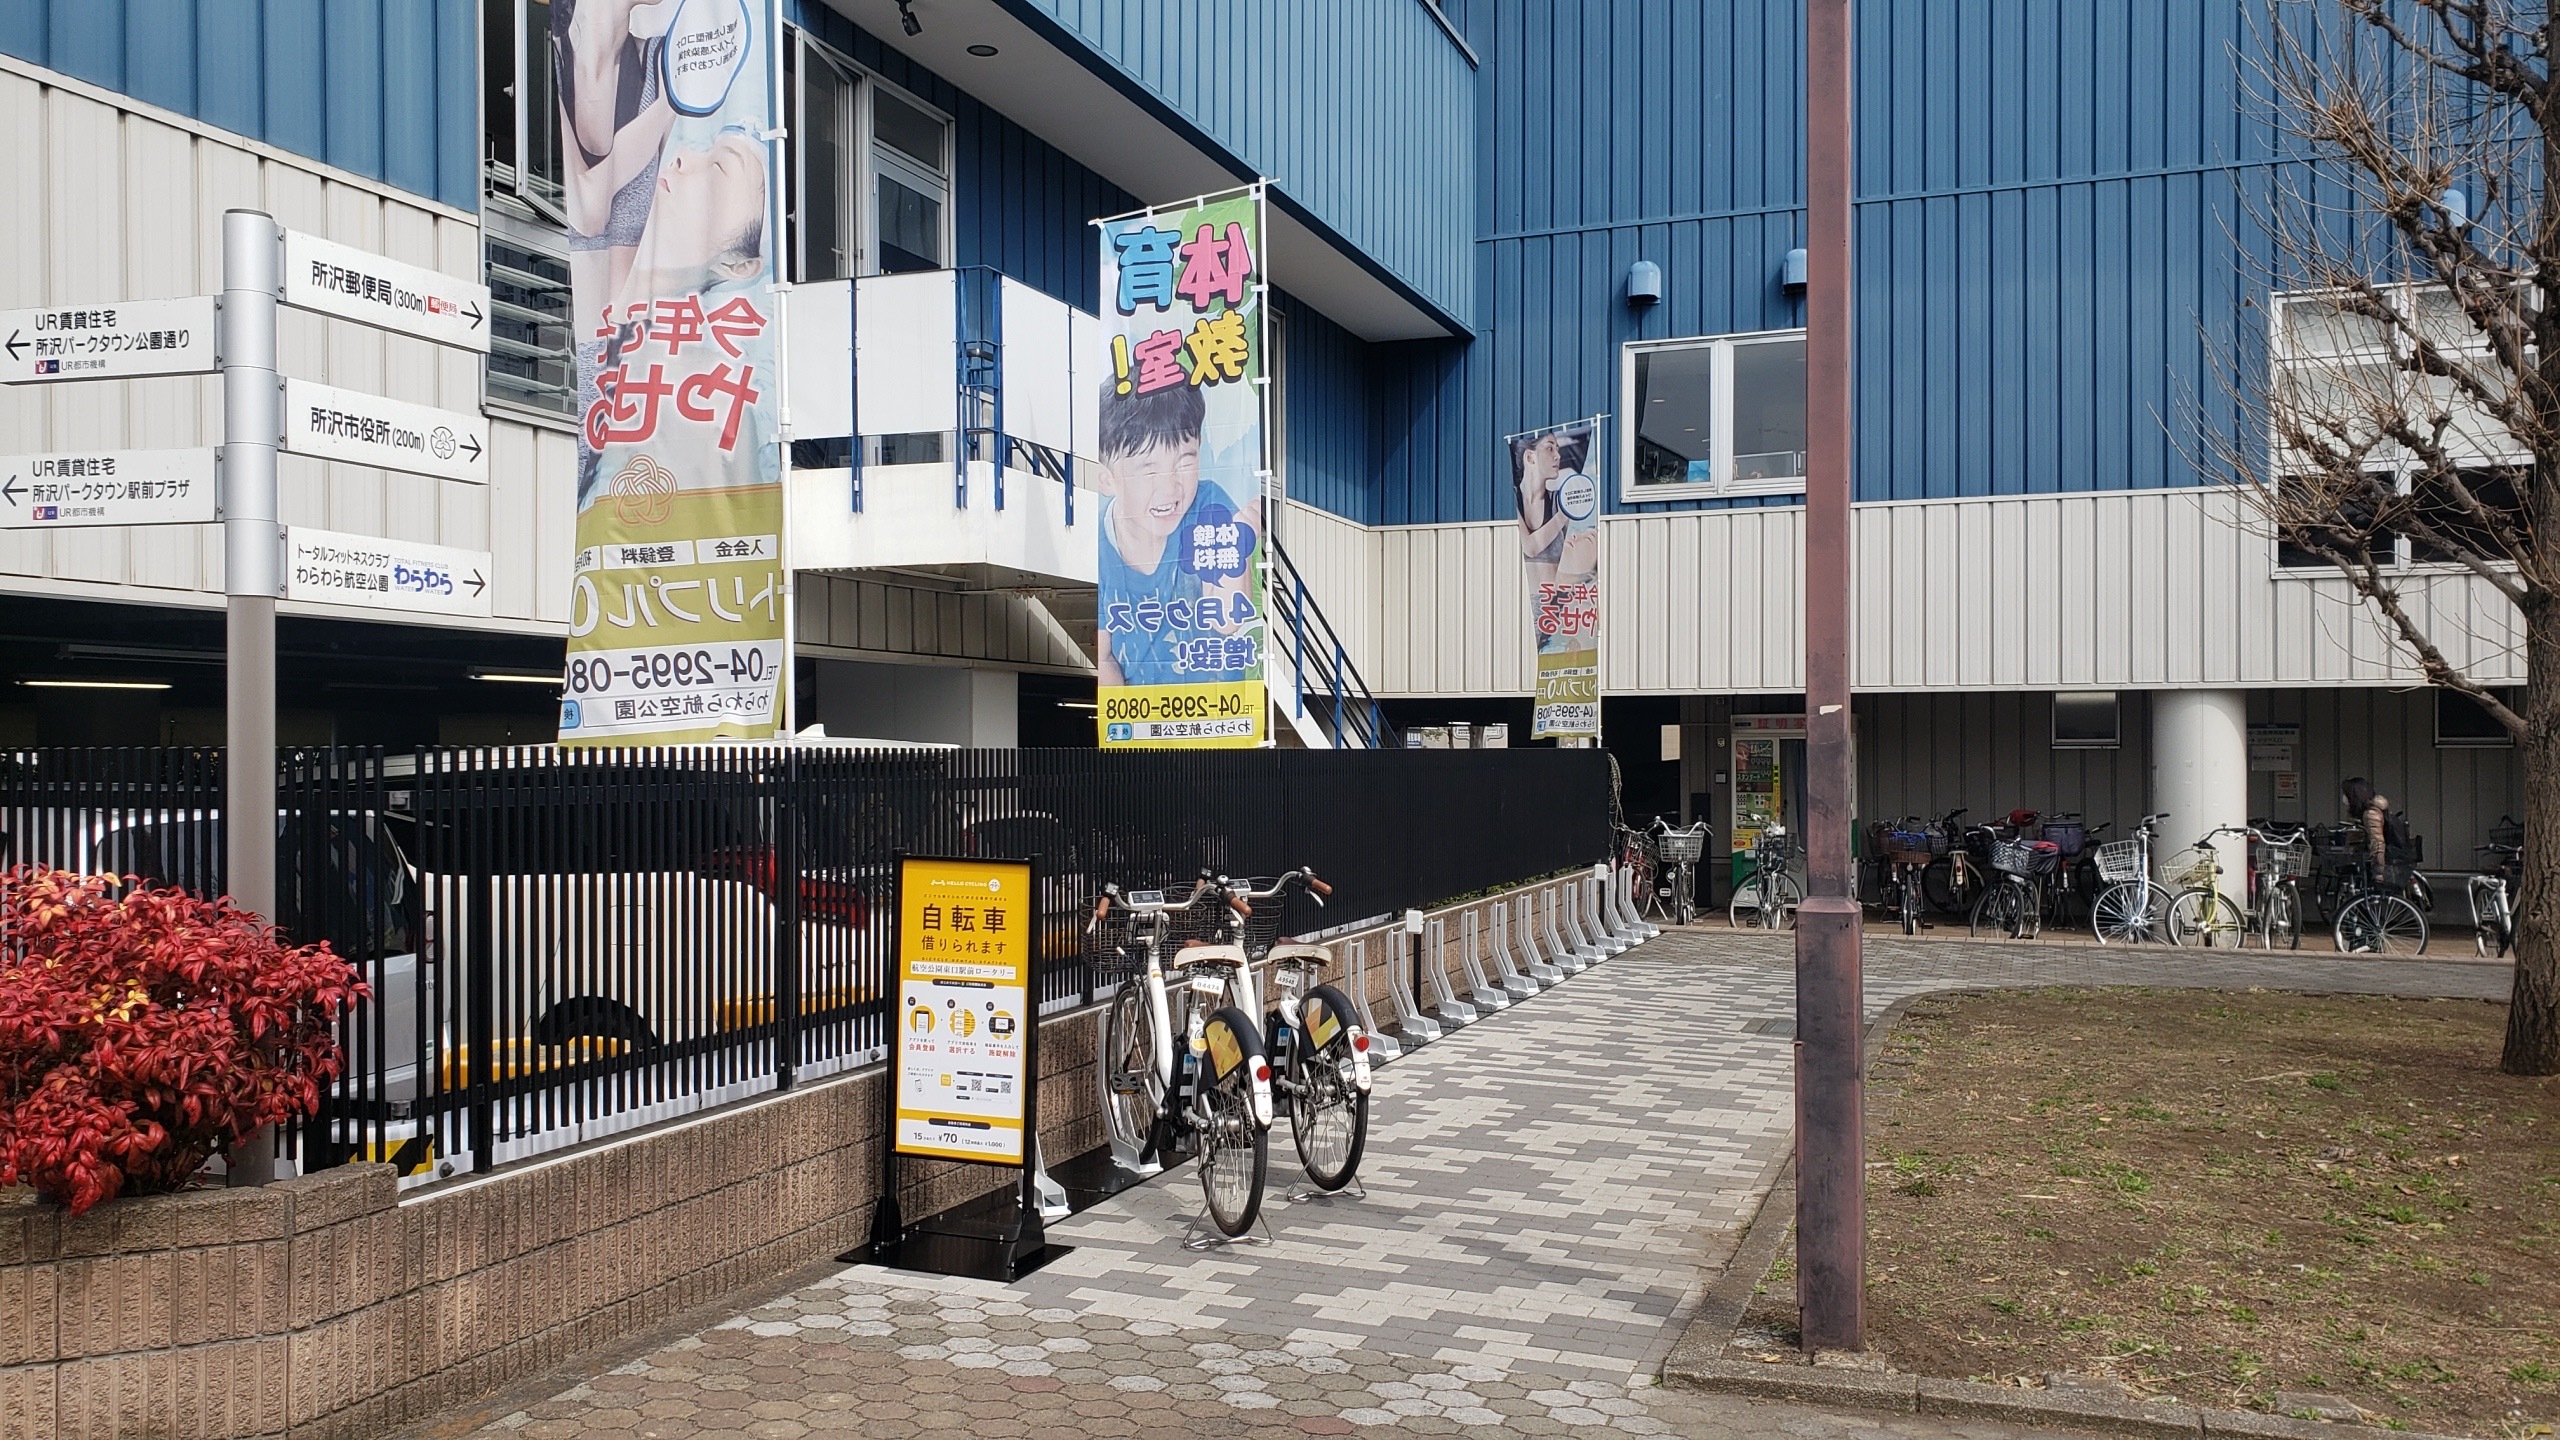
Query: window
(859, 142)
(2341, 376)
(2465, 723)
(1715, 417)
(532, 356)
(2085, 720)
(522, 105)
(911, 184)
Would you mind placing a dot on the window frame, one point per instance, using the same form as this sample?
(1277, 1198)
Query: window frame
(862, 180)
(1720, 419)
(2114, 740)
(881, 161)
(2282, 362)
(2497, 739)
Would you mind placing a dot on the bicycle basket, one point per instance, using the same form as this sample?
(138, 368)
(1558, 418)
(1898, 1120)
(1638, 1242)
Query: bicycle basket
(1674, 846)
(2068, 836)
(2193, 867)
(2506, 832)
(2024, 857)
(2279, 860)
(1114, 948)
(2120, 861)
(1907, 847)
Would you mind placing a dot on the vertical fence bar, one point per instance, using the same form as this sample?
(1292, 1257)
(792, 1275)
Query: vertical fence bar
(787, 870)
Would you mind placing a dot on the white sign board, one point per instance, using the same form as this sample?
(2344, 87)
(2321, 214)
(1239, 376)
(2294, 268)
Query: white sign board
(107, 487)
(116, 341)
(404, 575)
(327, 423)
(2271, 745)
(333, 279)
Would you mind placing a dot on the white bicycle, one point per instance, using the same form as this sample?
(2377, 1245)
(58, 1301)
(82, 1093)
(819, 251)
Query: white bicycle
(1319, 1053)
(1212, 1094)
(2134, 907)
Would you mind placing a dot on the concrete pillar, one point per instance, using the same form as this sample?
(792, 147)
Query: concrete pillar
(2200, 773)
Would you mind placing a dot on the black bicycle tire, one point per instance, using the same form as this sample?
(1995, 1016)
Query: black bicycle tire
(1335, 1052)
(1237, 1085)
(1132, 994)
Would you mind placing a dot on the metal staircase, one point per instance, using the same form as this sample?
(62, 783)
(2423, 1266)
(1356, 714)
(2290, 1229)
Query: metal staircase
(1326, 705)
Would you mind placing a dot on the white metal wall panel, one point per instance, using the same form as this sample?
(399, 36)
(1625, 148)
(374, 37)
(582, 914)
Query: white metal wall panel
(2117, 590)
(1340, 561)
(905, 353)
(130, 207)
(820, 360)
(1039, 338)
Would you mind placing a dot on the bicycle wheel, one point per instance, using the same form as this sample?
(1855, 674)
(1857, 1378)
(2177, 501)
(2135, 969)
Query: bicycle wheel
(1329, 1115)
(2280, 916)
(1684, 893)
(2000, 910)
(1946, 893)
(1747, 913)
(1909, 885)
(1744, 912)
(2126, 914)
(1131, 1092)
(2207, 918)
(2381, 925)
(1235, 1155)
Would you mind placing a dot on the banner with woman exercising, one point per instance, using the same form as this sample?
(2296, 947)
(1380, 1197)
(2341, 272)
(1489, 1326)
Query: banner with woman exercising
(1559, 508)
(678, 610)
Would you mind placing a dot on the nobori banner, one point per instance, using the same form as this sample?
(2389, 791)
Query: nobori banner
(677, 629)
(1559, 508)
(327, 423)
(334, 279)
(1180, 624)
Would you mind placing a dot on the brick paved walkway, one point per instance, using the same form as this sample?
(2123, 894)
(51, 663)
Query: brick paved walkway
(1548, 1190)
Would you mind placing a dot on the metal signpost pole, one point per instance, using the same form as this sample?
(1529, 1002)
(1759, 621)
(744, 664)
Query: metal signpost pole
(252, 547)
(1830, 1003)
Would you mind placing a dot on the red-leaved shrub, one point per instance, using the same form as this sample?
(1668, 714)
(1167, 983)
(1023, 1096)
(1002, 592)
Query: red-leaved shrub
(142, 1031)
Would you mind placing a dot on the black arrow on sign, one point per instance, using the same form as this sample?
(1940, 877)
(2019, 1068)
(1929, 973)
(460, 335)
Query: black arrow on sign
(9, 490)
(474, 443)
(476, 583)
(474, 312)
(15, 345)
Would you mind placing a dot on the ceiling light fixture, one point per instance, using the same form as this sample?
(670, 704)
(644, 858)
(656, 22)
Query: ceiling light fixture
(907, 17)
(518, 677)
(1076, 705)
(95, 684)
(982, 51)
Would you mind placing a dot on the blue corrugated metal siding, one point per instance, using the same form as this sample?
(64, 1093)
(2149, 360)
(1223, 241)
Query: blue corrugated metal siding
(1359, 109)
(1018, 203)
(1332, 421)
(383, 88)
(2047, 191)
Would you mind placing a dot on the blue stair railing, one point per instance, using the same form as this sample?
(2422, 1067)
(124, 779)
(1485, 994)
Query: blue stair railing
(1349, 713)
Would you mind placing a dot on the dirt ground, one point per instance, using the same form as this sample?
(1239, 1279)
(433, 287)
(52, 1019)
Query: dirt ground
(2219, 1197)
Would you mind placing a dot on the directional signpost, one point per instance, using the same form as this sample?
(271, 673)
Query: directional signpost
(334, 279)
(327, 423)
(385, 574)
(107, 487)
(118, 341)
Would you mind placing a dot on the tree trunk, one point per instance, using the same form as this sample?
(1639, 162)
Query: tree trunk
(2533, 1015)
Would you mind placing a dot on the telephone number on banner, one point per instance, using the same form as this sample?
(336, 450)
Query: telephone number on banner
(608, 691)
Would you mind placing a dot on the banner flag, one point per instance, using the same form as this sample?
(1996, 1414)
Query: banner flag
(680, 602)
(1180, 626)
(1559, 508)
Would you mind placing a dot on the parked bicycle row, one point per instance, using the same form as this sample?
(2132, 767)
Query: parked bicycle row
(2014, 877)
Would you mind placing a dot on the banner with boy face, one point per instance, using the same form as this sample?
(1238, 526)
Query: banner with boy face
(677, 612)
(1559, 508)
(1180, 625)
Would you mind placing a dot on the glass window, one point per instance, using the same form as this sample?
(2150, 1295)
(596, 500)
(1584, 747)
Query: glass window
(521, 104)
(822, 219)
(1720, 416)
(2353, 532)
(2463, 723)
(2440, 507)
(1675, 416)
(1768, 410)
(910, 227)
(2085, 720)
(532, 358)
(908, 130)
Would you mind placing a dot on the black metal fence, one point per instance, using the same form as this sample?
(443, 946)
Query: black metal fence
(566, 943)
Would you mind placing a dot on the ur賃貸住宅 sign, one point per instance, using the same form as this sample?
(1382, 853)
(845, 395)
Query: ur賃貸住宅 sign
(74, 489)
(1180, 628)
(408, 575)
(328, 278)
(967, 935)
(123, 340)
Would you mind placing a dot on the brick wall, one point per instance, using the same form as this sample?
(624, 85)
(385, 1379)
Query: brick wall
(331, 1305)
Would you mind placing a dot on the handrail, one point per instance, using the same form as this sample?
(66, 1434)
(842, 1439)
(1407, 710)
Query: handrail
(1355, 709)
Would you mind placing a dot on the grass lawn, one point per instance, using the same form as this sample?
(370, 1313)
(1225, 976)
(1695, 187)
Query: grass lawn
(2217, 1196)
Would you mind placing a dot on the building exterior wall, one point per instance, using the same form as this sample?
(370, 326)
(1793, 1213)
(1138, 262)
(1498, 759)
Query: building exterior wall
(127, 203)
(2093, 590)
(1360, 112)
(386, 89)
